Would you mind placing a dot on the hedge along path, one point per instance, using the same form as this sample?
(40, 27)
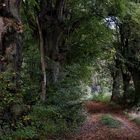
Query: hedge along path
(93, 129)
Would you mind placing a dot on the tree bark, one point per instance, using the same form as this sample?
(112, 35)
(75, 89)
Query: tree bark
(10, 53)
(126, 86)
(53, 11)
(53, 40)
(136, 79)
(43, 64)
(11, 39)
(116, 91)
(117, 81)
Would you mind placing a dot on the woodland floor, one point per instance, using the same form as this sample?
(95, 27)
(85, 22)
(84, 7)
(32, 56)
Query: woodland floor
(93, 129)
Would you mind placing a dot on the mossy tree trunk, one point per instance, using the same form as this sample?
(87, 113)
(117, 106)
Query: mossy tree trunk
(10, 57)
(52, 32)
(11, 40)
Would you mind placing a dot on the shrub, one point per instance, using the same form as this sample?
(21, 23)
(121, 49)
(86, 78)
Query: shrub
(102, 97)
(137, 120)
(47, 120)
(109, 121)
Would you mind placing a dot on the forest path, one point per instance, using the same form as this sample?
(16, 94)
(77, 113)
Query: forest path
(93, 129)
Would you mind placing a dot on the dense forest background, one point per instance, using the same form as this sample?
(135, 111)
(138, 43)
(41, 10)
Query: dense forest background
(52, 50)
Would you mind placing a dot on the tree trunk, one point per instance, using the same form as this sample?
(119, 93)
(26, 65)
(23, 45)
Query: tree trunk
(10, 53)
(11, 40)
(54, 15)
(117, 82)
(43, 64)
(53, 40)
(136, 79)
(116, 88)
(18, 59)
(126, 86)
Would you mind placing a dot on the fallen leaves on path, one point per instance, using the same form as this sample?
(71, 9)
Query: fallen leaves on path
(93, 129)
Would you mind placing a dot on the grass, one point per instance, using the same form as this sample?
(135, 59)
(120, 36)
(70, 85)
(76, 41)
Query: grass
(102, 98)
(109, 121)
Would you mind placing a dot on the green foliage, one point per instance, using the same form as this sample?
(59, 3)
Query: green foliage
(76, 73)
(20, 133)
(31, 73)
(86, 41)
(66, 96)
(130, 96)
(102, 97)
(137, 120)
(8, 93)
(109, 121)
(62, 113)
(25, 132)
(48, 120)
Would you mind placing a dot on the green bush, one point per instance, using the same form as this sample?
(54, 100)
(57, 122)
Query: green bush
(137, 120)
(25, 132)
(61, 114)
(109, 121)
(8, 93)
(47, 120)
(102, 98)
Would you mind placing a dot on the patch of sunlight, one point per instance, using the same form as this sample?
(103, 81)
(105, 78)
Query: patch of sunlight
(87, 93)
(134, 115)
(103, 97)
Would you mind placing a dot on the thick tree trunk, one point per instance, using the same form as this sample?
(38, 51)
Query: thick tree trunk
(117, 82)
(10, 39)
(10, 54)
(126, 86)
(53, 40)
(136, 79)
(43, 64)
(52, 34)
(116, 87)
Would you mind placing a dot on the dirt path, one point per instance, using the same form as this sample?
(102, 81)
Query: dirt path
(93, 129)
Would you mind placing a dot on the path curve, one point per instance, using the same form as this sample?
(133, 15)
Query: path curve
(93, 129)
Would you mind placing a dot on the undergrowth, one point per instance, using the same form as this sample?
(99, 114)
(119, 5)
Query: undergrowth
(109, 121)
(102, 98)
(137, 120)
